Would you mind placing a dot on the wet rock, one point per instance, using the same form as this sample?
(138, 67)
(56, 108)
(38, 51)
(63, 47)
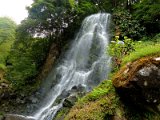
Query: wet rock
(76, 89)
(70, 101)
(4, 90)
(54, 53)
(139, 82)
(64, 94)
(71, 96)
(21, 101)
(33, 99)
(16, 117)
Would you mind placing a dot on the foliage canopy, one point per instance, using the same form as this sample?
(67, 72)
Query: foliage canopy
(7, 29)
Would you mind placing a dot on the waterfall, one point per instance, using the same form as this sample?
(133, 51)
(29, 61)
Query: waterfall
(85, 63)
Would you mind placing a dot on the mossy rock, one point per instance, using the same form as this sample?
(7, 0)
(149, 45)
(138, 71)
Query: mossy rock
(139, 81)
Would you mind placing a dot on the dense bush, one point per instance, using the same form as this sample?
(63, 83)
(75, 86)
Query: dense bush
(148, 13)
(25, 61)
(126, 25)
(7, 37)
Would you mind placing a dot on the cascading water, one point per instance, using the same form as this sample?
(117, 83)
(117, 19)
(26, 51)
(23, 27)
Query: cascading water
(86, 63)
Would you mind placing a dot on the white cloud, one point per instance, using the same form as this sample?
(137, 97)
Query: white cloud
(14, 9)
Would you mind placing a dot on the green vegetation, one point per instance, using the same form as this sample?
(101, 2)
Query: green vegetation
(126, 50)
(54, 22)
(4, 52)
(7, 37)
(127, 25)
(24, 49)
(24, 64)
(148, 12)
(106, 106)
(98, 92)
(7, 29)
(142, 50)
(101, 103)
(119, 48)
(61, 113)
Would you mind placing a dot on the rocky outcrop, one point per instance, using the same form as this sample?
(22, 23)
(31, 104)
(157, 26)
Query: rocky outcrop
(51, 59)
(70, 101)
(139, 82)
(4, 86)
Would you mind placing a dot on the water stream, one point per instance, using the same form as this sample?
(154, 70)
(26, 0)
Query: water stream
(85, 63)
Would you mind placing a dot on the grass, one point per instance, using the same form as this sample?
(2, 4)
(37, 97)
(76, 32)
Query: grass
(98, 92)
(141, 50)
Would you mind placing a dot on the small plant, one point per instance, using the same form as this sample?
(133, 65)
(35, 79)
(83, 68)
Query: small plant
(120, 48)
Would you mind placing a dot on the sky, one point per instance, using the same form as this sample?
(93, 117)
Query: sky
(15, 9)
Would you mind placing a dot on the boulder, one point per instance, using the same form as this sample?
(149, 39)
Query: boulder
(74, 94)
(139, 82)
(70, 101)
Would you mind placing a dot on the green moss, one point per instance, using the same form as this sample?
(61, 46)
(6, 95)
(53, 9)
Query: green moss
(61, 113)
(100, 91)
(142, 50)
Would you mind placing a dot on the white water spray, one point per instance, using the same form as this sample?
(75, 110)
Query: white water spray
(86, 63)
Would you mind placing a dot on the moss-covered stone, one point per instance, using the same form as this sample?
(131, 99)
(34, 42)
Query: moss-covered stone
(139, 81)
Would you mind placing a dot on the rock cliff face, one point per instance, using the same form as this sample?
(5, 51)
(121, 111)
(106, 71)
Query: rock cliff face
(4, 86)
(51, 59)
(139, 81)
